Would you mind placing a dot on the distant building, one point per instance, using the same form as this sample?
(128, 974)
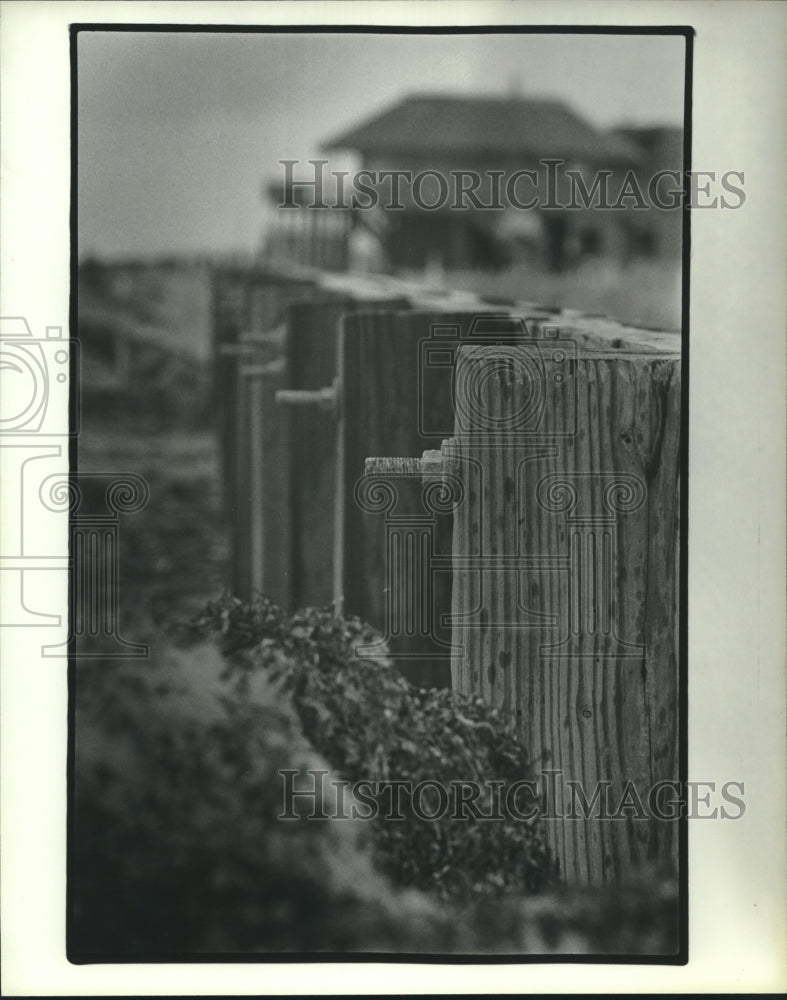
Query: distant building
(520, 209)
(487, 134)
(657, 232)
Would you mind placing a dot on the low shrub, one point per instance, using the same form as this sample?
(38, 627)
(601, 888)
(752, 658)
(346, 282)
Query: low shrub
(372, 725)
(176, 843)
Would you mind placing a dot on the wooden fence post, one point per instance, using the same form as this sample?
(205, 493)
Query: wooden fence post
(236, 469)
(537, 565)
(397, 397)
(268, 534)
(249, 314)
(311, 352)
(566, 576)
(229, 318)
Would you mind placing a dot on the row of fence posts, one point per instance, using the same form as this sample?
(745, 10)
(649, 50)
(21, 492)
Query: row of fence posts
(496, 490)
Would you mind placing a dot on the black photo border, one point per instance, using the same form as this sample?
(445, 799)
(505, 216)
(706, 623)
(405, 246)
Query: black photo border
(681, 956)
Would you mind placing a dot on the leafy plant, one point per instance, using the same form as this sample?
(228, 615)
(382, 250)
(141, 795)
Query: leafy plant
(177, 847)
(371, 725)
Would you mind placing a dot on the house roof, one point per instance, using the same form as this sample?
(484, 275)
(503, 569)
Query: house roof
(661, 145)
(510, 126)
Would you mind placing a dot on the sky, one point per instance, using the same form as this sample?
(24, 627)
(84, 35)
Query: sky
(178, 132)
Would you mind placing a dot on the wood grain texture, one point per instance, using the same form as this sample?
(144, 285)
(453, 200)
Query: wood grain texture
(397, 375)
(560, 562)
(565, 582)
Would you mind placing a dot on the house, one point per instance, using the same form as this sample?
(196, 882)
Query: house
(657, 232)
(495, 139)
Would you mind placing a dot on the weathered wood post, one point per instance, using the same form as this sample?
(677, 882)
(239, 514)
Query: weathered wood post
(566, 581)
(397, 392)
(312, 412)
(248, 355)
(246, 301)
(268, 526)
(229, 301)
(249, 329)
(260, 315)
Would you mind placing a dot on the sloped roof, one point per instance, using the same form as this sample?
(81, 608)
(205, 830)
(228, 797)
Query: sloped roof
(661, 145)
(510, 126)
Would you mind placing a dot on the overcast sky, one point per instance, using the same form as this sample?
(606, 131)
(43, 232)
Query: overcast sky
(177, 132)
